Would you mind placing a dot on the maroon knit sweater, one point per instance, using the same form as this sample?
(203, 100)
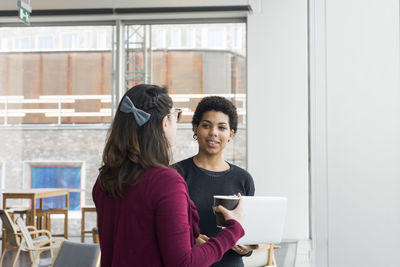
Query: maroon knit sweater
(156, 224)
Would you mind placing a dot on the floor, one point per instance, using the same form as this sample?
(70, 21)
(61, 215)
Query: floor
(291, 254)
(23, 259)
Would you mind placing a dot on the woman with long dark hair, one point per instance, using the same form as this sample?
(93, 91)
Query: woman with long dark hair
(145, 215)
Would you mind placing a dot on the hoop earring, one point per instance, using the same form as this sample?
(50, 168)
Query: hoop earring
(195, 137)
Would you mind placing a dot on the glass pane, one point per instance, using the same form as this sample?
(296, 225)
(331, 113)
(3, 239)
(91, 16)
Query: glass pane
(55, 75)
(193, 61)
(58, 177)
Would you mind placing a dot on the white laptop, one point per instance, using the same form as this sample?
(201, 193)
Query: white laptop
(264, 220)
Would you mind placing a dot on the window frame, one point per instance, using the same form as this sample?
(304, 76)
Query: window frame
(178, 44)
(158, 41)
(65, 34)
(27, 174)
(2, 178)
(2, 174)
(193, 39)
(206, 37)
(45, 49)
(22, 39)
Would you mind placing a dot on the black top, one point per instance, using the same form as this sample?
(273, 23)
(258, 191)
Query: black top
(203, 185)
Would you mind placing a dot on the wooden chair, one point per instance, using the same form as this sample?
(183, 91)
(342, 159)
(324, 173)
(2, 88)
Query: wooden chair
(22, 211)
(263, 256)
(63, 211)
(77, 255)
(43, 219)
(84, 210)
(271, 255)
(12, 236)
(36, 247)
(95, 235)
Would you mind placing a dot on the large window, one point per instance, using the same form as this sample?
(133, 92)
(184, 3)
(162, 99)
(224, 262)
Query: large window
(60, 85)
(49, 176)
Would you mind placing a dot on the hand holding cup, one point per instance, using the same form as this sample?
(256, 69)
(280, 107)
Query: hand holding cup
(228, 208)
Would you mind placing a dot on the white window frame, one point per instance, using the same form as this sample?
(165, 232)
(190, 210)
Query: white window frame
(178, 31)
(237, 32)
(2, 173)
(207, 35)
(2, 183)
(318, 134)
(4, 44)
(193, 39)
(46, 49)
(99, 40)
(164, 41)
(72, 48)
(21, 39)
(89, 40)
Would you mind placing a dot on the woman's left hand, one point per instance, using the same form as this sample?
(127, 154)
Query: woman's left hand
(244, 249)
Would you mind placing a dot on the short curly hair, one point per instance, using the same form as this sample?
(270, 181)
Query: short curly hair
(216, 103)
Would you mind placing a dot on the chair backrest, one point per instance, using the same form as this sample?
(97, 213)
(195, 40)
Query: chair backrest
(77, 255)
(11, 230)
(26, 237)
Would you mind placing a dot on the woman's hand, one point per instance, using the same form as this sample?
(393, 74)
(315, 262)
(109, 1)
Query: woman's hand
(236, 214)
(201, 239)
(244, 249)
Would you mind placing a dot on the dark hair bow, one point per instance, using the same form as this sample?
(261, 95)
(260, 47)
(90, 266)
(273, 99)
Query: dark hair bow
(141, 116)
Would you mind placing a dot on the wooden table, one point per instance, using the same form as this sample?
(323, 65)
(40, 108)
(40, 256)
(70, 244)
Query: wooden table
(38, 193)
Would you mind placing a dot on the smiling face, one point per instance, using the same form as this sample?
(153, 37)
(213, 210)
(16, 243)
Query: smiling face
(213, 132)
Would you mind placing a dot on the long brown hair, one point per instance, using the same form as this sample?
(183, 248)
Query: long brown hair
(130, 149)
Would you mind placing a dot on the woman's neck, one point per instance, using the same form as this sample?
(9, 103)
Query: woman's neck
(211, 162)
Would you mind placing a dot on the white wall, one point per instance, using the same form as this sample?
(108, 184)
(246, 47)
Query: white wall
(278, 107)
(363, 107)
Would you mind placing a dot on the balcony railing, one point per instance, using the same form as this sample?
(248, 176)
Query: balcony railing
(7, 111)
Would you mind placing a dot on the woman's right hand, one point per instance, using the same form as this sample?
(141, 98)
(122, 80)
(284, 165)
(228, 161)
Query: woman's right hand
(201, 239)
(236, 214)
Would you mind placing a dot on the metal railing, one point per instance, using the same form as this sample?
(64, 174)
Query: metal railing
(7, 111)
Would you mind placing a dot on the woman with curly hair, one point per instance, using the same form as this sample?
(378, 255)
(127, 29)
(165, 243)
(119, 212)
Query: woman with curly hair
(207, 173)
(144, 214)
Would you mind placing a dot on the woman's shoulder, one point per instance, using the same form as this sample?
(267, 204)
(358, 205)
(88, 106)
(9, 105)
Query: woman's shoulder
(163, 183)
(244, 177)
(240, 171)
(164, 172)
(184, 163)
(183, 166)
(166, 177)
